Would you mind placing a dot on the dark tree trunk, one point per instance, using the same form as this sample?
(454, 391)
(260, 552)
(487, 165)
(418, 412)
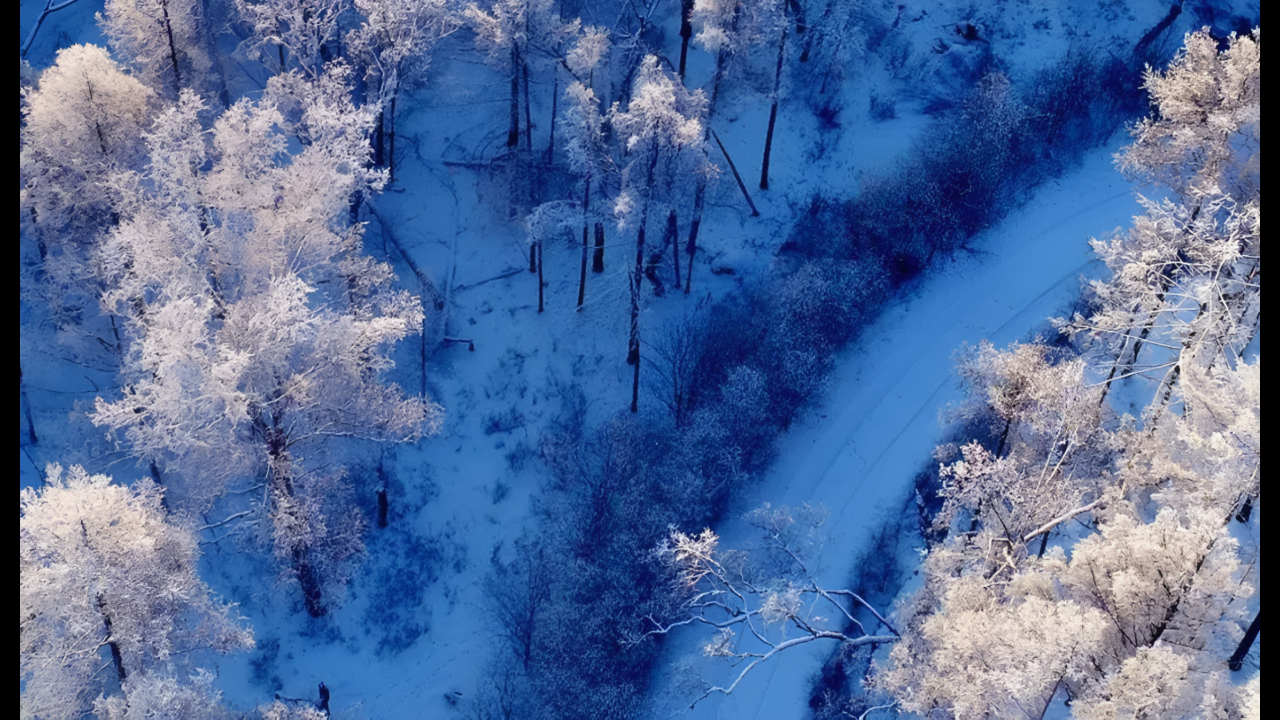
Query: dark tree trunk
(281, 470)
(379, 139)
(381, 493)
(692, 245)
(555, 104)
(309, 580)
(635, 382)
(1044, 543)
(633, 345)
(633, 351)
(155, 475)
(586, 239)
(1004, 436)
(26, 408)
(513, 130)
(533, 257)
(1245, 510)
(528, 117)
(1237, 657)
(116, 658)
(773, 112)
(541, 284)
(597, 262)
(673, 237)
(173, 49)
(734, 168)
(686, 32)
(797, 11)
(637, 277)
(105, 614)
(382, 507)
(391, 141)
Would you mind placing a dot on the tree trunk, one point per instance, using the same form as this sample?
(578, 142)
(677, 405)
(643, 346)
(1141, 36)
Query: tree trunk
(1142, 336)
(533, 256)
(673, 236)
(797, 11)
(280, 47)
(381, 493)
(513, 130)
(379, 138)
(280, 466)
(555, 104)
(105, 614)
(633, 345)
(26, 407)
(741, 185)
(633, 350)
(1237, 657)
(773, 112)
(597, 262)
(173, 49)
(637, 277)
(692, 245)
(686, 32)
(116, 658)
(1246, 509)
(528, 117)
(586, 238)
(391, 141)
(541, 284)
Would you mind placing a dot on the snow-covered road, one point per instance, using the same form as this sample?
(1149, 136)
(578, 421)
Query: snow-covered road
(858, 450)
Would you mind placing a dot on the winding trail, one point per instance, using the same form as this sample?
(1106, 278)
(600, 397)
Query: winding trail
(858, 451)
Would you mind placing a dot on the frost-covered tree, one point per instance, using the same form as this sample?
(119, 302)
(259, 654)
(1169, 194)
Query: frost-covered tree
(161, 695)
(730, 29)
(760, 605)
(1155, 584)
(589, 157)
(1183, 289)
(258, 327)
(507, 32)
(166, 40)
(1205, 136)
(394, 42)
(834, 39)
(81, 127)
(82, 123)
(298, 30)
(1050, 457)
(1005, 642)
(103, 569)
(1184, 278)
(662, 135)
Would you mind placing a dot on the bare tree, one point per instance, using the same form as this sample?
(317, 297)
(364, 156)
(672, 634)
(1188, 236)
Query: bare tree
(754, 601)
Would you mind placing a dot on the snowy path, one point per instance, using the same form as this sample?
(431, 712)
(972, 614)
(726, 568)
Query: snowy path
(858, 451)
